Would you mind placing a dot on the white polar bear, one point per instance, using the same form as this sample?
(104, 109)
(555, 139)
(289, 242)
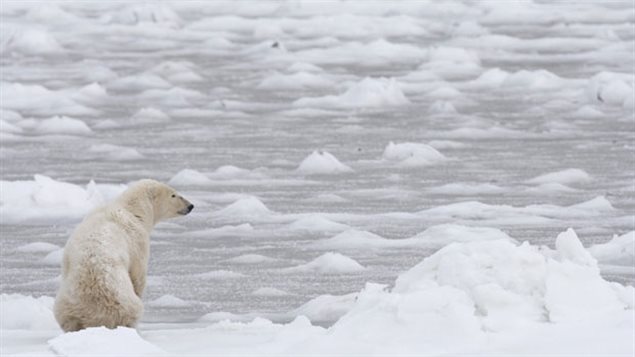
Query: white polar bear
(106, 258)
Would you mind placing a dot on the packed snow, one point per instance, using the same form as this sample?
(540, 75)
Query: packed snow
(394, 178)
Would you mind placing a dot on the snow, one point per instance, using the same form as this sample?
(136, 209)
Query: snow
(412, 154)
(37, 247)
(33, 42)
(188, 177)
(369, 92)
(322, 163)
(329, 263)
(245, 208)
(564, 177)
(251, 259)
(116, 152)
(54, 258)
(27, 313)
(316, 223)
(269, 292)
(168, 301)
(620, 250)
(116, 342)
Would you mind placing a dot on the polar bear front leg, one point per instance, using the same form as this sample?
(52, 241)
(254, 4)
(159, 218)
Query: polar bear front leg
(138, 278)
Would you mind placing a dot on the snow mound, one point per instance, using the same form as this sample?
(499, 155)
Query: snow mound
(444, 234)
(248, 207)
(326, 308)
(91, 94)
(412, 154)
(168, 301)
(116, 152)
(188, 177)
(121, 341)
(466, 189)
(177, 71)
(329, 263)
(322, 163)
(21, 312)
(230, 172)
(37, 247)
(34, 42)
(251, 259)
(539, 79)
(618, 251)
(62, 125)
(369, 92)
(478, 292)
(139, 82)
(353, 239)
(45, 199)
(150, 115)
(564, 177)
(452, 62)
(266, 291)
(318, 223)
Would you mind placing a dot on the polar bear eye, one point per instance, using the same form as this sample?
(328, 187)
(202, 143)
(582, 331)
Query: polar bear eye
(173, 195)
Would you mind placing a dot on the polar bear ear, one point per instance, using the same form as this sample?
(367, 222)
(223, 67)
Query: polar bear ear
(152, 191)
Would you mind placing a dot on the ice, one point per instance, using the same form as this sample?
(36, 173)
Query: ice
(329, 263)
(37, 247)
(452, 62)
(150, 115)
(139, 82)
(322, 163)
(619, 251)
(62, 125)
(189, 177)
(466, 189)
(116, 153)
(267, 291)
(168, 301)
(326, 308)
(54, 258)
(27, 313)
(412, 154)
(219, 275)
(251, 259)
(18, 96)
(296, 81)
(44, 199)
(245, 208)
(564, 177)
(141, 14)
(612, 89)
(178, 71)
(316, 223)
(369, 92)
(116, 342)
(33, 42)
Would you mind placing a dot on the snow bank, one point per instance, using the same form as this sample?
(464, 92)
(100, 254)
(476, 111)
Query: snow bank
(618, 251)
(412, 154)
(27, 313)
(33, 42)
(476, 296)
(45, 199)
(329, 263)
(188, 177)
(369, 92)
(121, 341)
(564, 177)
(322, 163)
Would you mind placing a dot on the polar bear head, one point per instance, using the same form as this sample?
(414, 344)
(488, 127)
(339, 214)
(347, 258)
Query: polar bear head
(149, 197)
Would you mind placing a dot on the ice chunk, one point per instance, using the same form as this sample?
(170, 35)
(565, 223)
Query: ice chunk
(62, 125)
(21, 312)
(267, 291)
(329, 263)
(37, 247)
(326, 308)
(34, 41)
(248, 207)
(412, 154)
(564, 177)
(168, 301)
(369, 92)
(619, 251)
(318, 223)
(54, 258)
(295, 81)
(188, 177)
(322, 163)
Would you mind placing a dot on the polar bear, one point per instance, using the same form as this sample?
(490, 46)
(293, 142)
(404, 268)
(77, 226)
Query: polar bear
(106, 258)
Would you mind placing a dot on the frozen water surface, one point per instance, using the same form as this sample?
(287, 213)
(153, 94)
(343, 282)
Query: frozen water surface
(516, 117)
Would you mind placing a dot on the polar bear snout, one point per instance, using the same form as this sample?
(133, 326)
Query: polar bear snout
(188, 207)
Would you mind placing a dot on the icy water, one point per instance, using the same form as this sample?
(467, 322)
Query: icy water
(499, 137)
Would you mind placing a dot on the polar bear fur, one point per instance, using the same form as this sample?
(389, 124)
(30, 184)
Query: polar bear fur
(106, 258)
